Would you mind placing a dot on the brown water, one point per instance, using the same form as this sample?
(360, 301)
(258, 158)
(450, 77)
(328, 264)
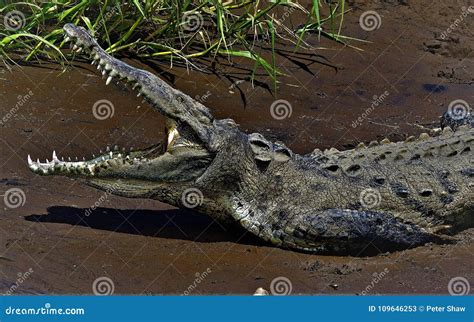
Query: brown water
(148, 247)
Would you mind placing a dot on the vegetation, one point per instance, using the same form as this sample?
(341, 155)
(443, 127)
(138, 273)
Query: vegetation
(169, 29)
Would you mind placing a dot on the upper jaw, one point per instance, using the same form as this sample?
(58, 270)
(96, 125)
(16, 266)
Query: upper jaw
(167, 100)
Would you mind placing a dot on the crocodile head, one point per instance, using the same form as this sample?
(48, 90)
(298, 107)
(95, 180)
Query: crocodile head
(192, 145)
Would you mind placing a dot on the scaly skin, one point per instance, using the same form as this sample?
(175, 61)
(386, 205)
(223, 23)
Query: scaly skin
(391, 195)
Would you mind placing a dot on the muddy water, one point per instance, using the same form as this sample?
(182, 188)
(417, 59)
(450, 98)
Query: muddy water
(51, 244)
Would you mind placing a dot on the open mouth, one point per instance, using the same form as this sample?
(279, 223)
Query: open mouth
(112, 157)
(180, 141)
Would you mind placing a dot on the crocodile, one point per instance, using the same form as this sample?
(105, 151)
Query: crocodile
(386, 195)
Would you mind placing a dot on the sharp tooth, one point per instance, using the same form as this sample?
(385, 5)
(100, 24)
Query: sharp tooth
(171, 136)
(111, 154)
(135, 86)
(74, 47)
(38, 161)
(108, 148)
(100, 151)
(103, 72)
(138, 95)
(83, 158)
(79, 50)
(67, 39)
(98, 66)
(93, 62)
(47, 162)
(69, 159)
(109, 79)
(116, 148)
(62, 159)
(30, 162)
(55, 157)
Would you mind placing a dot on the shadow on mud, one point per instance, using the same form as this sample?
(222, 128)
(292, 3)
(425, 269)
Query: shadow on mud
(174, 224)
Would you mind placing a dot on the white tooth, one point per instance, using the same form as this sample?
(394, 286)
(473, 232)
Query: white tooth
(171, 136)
(108, 148)
(55, 157)
(138, 95)
(30, 162)
(109, 79)
(38, 161)
(79, 50)
(98, 66)
(93, 62)
(111, 154)
(135, 86)
(47, 162)
(67, 38)
(74, 47)
(116, 148)
(103, 72)
(103, 158)
(62, 159)
(69, 159)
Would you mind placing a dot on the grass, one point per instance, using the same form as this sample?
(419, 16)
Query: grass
(170, 30)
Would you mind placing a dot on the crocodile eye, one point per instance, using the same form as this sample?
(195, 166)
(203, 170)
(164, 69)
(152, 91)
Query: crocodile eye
(262, 150)
(281, 152)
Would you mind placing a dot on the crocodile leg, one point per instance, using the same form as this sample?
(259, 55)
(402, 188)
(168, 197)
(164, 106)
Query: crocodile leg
(350, 231)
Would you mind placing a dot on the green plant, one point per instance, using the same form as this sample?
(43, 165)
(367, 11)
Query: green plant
(168, 29)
